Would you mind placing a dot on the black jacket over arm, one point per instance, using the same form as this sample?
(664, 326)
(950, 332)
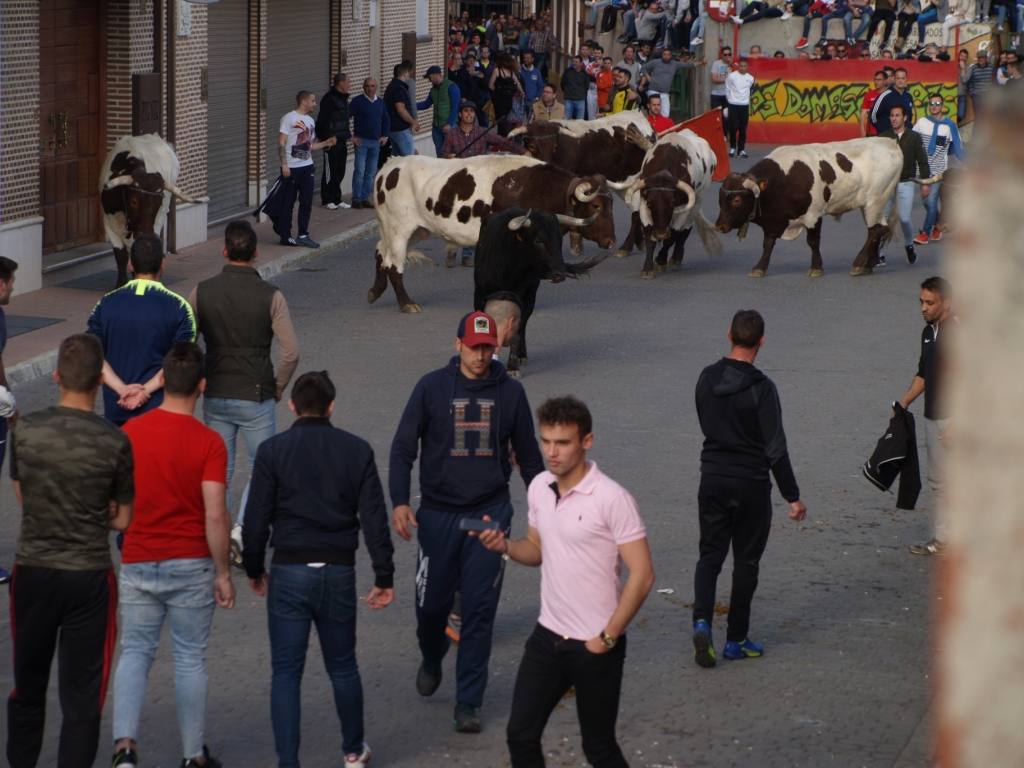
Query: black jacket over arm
(314, 486)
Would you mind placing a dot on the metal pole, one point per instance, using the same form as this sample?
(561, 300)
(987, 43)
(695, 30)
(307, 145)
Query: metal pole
(172, 240)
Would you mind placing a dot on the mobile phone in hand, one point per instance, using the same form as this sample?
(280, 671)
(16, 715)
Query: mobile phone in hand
(477, 525)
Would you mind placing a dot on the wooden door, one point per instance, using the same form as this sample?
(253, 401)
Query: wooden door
(70, 121)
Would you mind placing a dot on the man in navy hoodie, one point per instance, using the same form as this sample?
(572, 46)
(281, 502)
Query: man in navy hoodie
(463, 421)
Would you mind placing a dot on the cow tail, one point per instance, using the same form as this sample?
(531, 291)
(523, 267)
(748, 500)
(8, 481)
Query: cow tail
(416, 258)
(893, 229)
(708, 235)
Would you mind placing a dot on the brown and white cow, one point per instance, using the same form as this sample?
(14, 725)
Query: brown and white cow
(666, 196)
(612, 146)
(417, 196)
(795, 186)
(136, 181)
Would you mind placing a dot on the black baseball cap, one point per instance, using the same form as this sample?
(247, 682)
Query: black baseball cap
(434, 70)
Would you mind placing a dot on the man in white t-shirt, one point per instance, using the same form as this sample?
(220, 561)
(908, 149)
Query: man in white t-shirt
(738, 86)
(582, 527)
(296, 142)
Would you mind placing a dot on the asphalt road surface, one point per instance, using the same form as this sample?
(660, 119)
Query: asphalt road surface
(842, 608)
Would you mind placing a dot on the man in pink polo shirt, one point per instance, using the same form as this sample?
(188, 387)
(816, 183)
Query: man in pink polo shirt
(582, 527)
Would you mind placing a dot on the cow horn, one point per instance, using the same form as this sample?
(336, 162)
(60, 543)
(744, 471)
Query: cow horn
(682, 186)
(618, 186)
(573, 221)
(520, 221)
(119, 181)
(750, 184)
(580, 193)
(633, 136)
(520, 131)
(178, 193)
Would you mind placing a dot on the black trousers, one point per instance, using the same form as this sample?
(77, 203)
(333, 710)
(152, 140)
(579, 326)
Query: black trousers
(736, 513)
(298, 184)
(335, 159)
(717, 100)
(739, 116)
(74, 613)
(889, 17)
(551, 666)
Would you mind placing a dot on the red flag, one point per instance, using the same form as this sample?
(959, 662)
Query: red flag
(709, 127)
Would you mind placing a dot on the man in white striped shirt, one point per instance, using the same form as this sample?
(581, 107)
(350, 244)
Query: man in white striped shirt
(939, 135)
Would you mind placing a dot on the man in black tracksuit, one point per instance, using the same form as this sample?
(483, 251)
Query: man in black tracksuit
(316, 485)
(741, 418)
(332, 120)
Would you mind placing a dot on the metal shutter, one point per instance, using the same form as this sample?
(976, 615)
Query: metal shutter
(226, 108)
(298, 59)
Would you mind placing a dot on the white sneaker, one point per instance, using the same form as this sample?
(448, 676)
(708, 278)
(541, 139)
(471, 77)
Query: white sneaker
(360, 760)
(736, 20)
(331, 206)
(344, 205)
(697, 41)
(732, 152)
(786, 15)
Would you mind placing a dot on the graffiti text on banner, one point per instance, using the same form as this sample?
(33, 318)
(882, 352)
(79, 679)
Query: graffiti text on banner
(796, 101)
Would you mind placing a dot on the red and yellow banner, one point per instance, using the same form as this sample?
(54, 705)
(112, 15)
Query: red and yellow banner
(796, 101)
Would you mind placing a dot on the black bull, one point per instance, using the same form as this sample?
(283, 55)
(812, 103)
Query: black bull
(516, 251)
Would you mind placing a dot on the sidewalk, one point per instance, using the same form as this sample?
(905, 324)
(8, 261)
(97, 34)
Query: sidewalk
(40, 320)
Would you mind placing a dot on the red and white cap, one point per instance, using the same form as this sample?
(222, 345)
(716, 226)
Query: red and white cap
(478, 328)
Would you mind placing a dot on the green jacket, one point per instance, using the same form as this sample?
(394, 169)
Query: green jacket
(913, 153)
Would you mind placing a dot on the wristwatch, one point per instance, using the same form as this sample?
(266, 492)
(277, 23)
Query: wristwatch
(608, 640)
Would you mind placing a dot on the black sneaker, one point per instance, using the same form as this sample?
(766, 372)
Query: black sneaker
(210, 761)
(466, 719)
(125, 757)
(911, 254)
(428, 678)
(306, 241)
(5, 575)
(287, 241)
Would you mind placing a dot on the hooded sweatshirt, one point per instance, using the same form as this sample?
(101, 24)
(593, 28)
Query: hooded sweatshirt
(462, 429)
(741, 418)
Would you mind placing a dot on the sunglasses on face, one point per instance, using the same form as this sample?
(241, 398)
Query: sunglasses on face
(934, 103)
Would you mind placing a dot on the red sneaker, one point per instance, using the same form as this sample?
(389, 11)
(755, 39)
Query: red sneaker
(921, 239)
(936, 234)
(801, 43)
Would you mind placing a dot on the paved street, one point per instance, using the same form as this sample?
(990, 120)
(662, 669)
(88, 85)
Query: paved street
(842, 607)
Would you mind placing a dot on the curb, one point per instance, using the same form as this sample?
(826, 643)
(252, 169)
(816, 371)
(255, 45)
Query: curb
(43, 365)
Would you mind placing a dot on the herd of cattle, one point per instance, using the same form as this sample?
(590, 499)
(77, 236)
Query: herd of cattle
(509, 206)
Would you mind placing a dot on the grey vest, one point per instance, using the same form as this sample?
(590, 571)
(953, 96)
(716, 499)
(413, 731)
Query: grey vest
(233, 315)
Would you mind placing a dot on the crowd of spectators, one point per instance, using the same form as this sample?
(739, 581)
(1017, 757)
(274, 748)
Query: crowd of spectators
(900, 25)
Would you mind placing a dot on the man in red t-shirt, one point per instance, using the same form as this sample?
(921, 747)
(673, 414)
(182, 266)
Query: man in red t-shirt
(174, 564)
(881, 83)
(658, 121)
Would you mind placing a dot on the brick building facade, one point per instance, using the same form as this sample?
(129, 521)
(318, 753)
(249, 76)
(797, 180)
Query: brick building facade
(66, 70)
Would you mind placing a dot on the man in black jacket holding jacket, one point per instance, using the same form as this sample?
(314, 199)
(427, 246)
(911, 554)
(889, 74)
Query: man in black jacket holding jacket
(316, 485)
(741, 418)
(333, 120)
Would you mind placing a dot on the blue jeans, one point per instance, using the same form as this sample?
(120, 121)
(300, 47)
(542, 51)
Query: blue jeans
(255, 421)
(299, 596)
(697, 29)
(367, 152)
(629, 20)
(931, 207)
(865, 22)
(182, 591)
(575, 109)
(928, 17)
(438, 136)
(904, 199)
(402, 143)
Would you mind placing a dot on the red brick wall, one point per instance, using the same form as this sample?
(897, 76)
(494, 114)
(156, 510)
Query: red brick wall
(19, 109)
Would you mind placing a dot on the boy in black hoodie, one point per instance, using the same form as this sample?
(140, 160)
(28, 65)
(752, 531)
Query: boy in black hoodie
(462, 421)
(741, 419)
